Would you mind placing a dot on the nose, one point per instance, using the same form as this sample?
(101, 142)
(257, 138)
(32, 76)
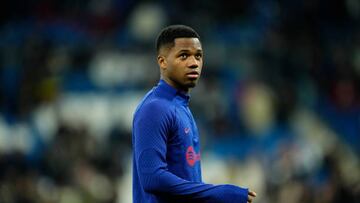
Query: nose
(193, 62)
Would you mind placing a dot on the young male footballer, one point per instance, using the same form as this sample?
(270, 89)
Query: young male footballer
(165, 139)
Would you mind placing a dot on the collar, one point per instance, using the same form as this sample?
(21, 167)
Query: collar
(163, 89)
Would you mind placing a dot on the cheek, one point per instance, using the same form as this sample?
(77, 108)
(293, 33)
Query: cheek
(179, 67)
(200, 67)
(176, 70)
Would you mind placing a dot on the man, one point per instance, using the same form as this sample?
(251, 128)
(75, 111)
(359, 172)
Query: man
(166, 159)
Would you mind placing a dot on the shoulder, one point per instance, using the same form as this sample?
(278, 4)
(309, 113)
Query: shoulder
(155, 114)
(155, 106)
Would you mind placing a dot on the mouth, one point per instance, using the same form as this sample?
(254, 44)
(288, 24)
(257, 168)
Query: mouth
(193, 75)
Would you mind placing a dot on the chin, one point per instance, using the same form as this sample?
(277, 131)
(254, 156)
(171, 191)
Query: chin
(192, 84)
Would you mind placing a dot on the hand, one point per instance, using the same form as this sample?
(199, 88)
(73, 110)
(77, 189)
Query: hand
(251, 196)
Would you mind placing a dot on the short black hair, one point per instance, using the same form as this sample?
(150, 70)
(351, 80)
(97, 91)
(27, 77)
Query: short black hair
(169, 34)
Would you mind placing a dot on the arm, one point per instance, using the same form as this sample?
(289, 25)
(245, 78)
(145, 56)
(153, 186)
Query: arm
(152, 124)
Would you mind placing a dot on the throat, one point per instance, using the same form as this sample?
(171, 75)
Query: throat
(177, 85)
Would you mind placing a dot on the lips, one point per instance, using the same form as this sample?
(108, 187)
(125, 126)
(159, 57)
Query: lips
(193, 74)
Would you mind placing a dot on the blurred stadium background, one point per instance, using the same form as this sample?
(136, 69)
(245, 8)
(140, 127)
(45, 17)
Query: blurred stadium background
(278, 104)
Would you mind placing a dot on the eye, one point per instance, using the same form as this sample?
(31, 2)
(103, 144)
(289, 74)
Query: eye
(198, 56)
(183, 56)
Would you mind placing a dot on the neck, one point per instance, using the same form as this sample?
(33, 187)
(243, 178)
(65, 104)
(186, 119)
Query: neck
(175, 85)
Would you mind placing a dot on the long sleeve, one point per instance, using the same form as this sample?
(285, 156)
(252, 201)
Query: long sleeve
(151, 127)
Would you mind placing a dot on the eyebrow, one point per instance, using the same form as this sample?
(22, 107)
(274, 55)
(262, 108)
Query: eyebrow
(188, 50)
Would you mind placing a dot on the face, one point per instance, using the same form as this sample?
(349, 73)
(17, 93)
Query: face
(181, 64)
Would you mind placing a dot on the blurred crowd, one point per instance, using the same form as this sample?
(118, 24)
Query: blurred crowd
(278, 104)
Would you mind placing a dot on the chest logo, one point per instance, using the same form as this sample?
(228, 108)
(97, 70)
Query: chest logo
(186, 130)
(191, 156)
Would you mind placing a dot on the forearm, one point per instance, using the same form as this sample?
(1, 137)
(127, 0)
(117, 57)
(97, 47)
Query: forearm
(164, 182)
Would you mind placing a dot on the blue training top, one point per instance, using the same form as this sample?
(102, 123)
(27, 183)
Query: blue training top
(166, 154)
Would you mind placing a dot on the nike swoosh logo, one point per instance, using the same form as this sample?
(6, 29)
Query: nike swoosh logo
(187, 130)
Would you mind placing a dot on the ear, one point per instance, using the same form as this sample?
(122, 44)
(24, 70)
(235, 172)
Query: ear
(162, 62)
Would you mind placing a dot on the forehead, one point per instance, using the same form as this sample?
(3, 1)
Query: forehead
(191, 44)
